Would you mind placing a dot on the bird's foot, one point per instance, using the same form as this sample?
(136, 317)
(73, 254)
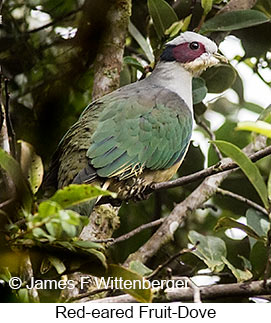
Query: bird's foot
(141, 194)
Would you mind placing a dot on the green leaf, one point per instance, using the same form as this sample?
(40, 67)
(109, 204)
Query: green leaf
(40, 233)
(254, 40)
(23, 295)
(46, 209)
(259, 223)
(207, 6)
(75, 194)
(162, 14)
(265, 114)
(140, 268)
(213, 79)
(99, 255)
(13, 169)
(88, 244)
(238, 87)
(246, 262)
(140, 294)
(58, 8)
(199, 89)
(258, 259)
(228, 223)
(186, 23)
(141, 41)
(64, 244)
(57, 263)
(234, 20)
(248, 167)
(269, 187)
(239, 139)
(259, 126)
(210, 249)
(264, 6)
(240, 275)
(125, 76)
(31, 165)
(54, 229)
(174, 29)
(129, 60)
(5, 273)
(252, 107)
(70, 229)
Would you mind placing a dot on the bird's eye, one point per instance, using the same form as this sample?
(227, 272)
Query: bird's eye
(194, 45)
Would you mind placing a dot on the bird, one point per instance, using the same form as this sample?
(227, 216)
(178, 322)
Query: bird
(139, 134)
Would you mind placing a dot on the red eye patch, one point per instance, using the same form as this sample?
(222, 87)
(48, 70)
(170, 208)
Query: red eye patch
(185, 53)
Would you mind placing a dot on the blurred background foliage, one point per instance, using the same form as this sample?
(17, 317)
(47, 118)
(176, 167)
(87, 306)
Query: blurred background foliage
(47, 51)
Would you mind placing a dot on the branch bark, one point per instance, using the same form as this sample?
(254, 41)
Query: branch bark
(250, 289)
(238, 5)
(108, 64)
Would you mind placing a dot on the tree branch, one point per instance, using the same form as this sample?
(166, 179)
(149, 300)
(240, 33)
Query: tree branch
(169, 260)
(238, 5)
(222, 166)
(6, 139)
(248, 289)
(108, 64)
(199, 196)
(242, 199)
(137, 230)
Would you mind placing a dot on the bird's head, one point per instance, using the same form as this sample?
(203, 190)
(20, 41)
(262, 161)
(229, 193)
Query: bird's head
(193, 51)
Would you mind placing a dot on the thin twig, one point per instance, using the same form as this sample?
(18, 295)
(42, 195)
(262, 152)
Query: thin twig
(26, 273)
(197, 29)
(204, 126)
(53, 22)
(6, 202)
(137, 230)
(87, 294)
(243, 199)
(11, 133)
(268, 263)
(256, 70)
(142, 227)
(196, 289)
(169, 260)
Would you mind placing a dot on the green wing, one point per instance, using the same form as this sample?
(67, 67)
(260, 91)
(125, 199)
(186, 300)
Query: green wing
(134, 134)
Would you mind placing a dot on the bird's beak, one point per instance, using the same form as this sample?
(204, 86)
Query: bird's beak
(221, 58)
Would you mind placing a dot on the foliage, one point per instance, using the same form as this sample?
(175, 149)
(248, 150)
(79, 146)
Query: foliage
(47, 53)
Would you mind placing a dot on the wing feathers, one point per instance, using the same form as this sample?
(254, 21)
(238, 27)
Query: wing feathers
(132, 136)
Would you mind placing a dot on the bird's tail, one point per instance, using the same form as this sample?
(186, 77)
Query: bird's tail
(86, 208)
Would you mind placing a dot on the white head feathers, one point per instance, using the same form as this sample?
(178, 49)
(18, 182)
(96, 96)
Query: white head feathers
(189, 36)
